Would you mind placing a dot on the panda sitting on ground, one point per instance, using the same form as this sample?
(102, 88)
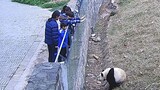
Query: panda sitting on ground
(114, 76)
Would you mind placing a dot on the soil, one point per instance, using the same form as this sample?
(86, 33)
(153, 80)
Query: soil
(131, 41)
(98, 51)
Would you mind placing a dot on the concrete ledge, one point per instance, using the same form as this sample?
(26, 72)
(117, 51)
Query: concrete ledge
(45, 77)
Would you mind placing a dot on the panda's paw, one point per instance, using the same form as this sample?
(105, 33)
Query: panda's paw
(104, 83)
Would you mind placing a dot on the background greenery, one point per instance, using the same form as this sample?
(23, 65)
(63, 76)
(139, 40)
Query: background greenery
(44, 3)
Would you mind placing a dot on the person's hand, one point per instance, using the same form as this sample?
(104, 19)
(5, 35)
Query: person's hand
(83, 18)
(76, 11)
(56, 46)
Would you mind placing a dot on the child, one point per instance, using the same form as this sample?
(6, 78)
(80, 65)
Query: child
(72, 21)
(63, 12)
(68, 16)
(64, 33)
(71, 26)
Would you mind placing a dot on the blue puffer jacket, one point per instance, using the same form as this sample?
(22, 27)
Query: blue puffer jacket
(66, 41)
(51, 32)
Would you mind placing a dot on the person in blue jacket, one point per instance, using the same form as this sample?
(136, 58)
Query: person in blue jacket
(64, 33)
(72, 20)
(51, 35)
(63, 12)
(67, 16)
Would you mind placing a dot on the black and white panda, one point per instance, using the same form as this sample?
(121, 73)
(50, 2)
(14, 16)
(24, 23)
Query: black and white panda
(114, 76)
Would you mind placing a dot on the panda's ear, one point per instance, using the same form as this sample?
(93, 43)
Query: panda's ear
(102, 70)
(102, 74)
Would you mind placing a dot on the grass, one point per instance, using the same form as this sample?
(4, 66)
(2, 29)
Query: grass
(32, 2)
(44, 3)
(55, 6)
(124, 2)
(134, 43)
(50, 4)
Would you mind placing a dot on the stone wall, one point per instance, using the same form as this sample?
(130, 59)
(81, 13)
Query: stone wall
(78, 54)
(46, 76)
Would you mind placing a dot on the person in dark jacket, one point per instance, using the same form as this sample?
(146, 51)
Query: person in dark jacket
(51, 35)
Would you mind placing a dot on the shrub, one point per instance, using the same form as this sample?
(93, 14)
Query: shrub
(43, 3)
(124, 2)
(52, 4)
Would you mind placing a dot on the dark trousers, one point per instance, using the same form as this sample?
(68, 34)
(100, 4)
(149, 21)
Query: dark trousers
(63, 54)
(52, 53)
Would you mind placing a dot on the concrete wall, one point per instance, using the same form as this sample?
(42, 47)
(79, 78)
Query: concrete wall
(78, 54)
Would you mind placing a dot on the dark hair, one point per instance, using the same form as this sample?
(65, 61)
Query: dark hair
(70, 13)
(55, 14)
(63, 24)
(63, 9)
(67, 9)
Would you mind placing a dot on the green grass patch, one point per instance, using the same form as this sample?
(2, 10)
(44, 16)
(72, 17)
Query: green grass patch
(32, 2)
(44, 3)
(124, 2)
(51, 4)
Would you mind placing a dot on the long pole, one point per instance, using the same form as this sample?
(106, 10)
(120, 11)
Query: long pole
(59, 50)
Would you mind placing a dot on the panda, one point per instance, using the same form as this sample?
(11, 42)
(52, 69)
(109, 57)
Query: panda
(114, 76)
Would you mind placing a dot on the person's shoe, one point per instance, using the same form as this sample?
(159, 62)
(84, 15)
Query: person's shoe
(61, 62)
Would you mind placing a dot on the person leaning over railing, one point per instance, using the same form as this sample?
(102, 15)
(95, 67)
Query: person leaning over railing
(63, 12)
(67, 16)
(51, 35)
(72, 21)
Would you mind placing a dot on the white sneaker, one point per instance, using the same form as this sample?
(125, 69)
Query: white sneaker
(61, 62)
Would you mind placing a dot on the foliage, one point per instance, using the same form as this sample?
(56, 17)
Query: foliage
(32, 2)
(50, 4)
(43, 3)
(124, 2)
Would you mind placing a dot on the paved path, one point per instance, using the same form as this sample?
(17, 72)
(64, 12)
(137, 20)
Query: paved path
(21, 31)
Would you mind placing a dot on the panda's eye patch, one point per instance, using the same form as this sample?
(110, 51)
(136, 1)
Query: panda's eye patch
(102, 74)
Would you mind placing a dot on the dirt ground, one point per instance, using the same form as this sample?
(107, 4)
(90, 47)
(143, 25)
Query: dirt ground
(131, 41)
(98, 51)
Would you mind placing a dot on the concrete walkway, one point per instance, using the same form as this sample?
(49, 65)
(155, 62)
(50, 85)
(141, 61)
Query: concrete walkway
(21, 31)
